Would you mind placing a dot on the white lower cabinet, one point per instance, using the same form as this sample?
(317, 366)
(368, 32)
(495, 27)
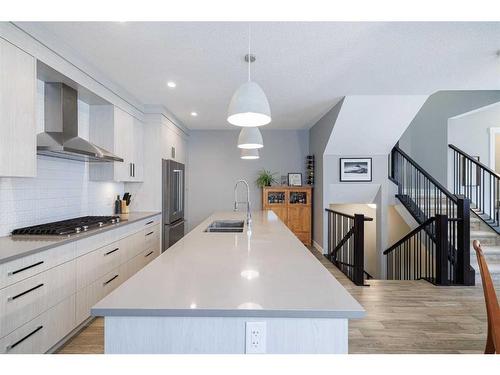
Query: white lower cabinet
(142, 259)
(23, 301)
(22, 268)
(45, 296)
(93, 293)
(43, 332)
(93, 265)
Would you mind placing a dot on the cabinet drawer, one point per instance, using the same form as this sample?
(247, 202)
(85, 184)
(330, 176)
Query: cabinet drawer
(135, 244)
(151, 222)
(151, 236)
(23, 301)
(43, 332)
(141, 260)
(99, 262)
(93, 293)
(94, 242)
(22, 268)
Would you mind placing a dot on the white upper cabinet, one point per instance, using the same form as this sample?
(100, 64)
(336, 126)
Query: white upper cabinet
(120, 133)
(138, 134)
(174, 144)
(17, 112)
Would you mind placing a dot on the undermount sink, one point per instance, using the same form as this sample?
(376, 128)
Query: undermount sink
(226, 226)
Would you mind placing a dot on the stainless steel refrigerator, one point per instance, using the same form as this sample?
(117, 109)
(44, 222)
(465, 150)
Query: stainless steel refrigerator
(173, 202)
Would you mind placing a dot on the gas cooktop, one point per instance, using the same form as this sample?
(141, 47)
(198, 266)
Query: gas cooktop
(70, 226)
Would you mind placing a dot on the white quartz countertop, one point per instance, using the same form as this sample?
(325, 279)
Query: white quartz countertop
(12, 247)
(265, 273)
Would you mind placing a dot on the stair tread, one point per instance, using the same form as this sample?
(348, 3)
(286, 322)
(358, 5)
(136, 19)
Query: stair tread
(482, 233)
(490, 249)
(493, 268)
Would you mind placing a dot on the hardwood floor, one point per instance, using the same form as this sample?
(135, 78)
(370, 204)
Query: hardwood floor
(415, 316)
(90, 340)
(401, 317)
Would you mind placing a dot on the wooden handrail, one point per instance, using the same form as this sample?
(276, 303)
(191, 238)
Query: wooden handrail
(474, 161)
(492, 307)
(444, 190)
(409, 235)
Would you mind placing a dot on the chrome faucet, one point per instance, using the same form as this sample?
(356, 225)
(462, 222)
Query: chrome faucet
(236, 203)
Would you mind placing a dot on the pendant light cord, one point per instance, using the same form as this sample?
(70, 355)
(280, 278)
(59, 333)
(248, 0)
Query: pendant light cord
(249, 56)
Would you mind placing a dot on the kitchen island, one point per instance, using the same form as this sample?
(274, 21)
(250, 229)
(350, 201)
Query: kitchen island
(200, 295)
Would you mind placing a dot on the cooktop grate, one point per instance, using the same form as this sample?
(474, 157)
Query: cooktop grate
(76, 225)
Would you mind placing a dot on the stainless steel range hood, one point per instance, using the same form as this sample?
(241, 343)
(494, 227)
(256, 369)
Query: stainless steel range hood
(60, 138)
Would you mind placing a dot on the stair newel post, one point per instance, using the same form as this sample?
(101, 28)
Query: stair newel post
(442, 250)
(359, 246)
(464, 274)
(392, 162)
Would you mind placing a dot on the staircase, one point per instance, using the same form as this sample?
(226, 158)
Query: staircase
(438, 250)
(481, 185)
(471, 212)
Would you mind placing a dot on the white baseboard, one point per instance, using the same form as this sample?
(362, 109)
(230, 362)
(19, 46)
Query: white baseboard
(318, 247)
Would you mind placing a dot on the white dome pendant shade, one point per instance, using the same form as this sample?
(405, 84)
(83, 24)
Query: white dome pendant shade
(249, 154)
(249, 106)
(250, 138)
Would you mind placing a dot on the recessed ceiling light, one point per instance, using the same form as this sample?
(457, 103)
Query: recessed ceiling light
(171, 84)
(194, 114)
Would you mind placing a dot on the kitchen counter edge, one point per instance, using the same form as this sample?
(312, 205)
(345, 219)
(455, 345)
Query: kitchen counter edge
(125, 220)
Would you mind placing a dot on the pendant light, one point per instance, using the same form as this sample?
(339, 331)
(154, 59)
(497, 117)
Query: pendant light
(249, 154)
(249, 106)
(250, 138)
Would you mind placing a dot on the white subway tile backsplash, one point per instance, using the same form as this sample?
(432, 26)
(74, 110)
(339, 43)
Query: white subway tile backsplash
(60, 191)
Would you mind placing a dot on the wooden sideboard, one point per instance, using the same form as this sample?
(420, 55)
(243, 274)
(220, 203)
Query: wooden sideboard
(292, 204)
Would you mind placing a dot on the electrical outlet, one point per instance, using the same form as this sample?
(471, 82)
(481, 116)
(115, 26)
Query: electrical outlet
(255, 337)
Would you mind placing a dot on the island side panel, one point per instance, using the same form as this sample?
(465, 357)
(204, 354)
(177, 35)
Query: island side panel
(193, 335)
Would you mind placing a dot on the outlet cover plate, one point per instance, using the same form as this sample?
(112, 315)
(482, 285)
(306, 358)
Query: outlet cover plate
(255, 337)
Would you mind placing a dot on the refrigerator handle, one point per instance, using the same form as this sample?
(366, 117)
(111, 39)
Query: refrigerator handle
(181, 191)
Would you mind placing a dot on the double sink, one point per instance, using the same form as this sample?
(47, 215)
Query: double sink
(226, 226)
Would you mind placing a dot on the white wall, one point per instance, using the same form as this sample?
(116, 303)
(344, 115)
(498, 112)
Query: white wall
(372, 124)
(61, 189)
(471, 133)
(215, 166)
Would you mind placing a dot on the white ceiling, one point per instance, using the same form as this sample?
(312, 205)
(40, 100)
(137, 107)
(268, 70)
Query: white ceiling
(304, 68)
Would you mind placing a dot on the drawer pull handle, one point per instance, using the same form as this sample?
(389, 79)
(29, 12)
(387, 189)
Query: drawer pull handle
(12, 346)
(148, 254)
(147, 234)
(25, 268)
(150, 222)
(112, 251)
(25, 292)
(107, 282)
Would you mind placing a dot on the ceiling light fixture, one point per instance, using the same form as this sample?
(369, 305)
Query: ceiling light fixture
(194, 114)
(249, 154)
(249, 106)
(250, 138)
(171, 84)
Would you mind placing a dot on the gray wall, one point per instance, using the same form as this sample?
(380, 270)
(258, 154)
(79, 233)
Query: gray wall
(426, 139)
(319, 135)
(215, 165)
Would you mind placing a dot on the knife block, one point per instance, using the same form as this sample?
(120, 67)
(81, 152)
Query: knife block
(124, 208)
